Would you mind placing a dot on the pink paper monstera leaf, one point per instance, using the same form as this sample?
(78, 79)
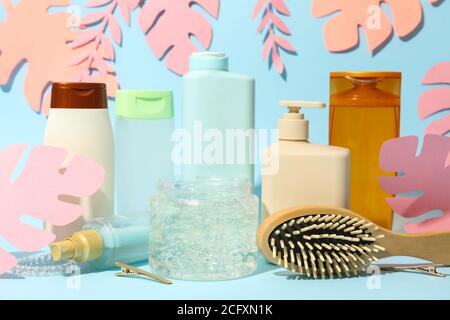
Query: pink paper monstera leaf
(36, 192)
(427, 173)
(32, 35)
(341, 31)
(274, 28)
(43, 46)
(437, 99)
(169, 26)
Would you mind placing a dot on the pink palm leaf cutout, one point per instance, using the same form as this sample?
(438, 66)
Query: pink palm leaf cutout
(341, 31)
(93, 48)
(428, 172)
(32, 35)
(275, 27)
(437, 99)
(36, 193)
(168, 26)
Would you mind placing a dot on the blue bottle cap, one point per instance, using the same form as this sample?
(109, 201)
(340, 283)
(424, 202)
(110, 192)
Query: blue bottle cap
(208, 61)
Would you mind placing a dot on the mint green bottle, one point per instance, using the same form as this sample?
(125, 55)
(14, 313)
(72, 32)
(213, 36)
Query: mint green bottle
(218, 115)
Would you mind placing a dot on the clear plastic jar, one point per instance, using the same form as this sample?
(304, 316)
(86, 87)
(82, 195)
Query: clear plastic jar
(203, 228)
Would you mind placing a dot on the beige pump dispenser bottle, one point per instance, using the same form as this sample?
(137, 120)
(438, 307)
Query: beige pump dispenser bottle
(298, 173)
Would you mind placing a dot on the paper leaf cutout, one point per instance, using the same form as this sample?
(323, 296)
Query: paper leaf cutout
(437, 99)
(32, 35)
(43, 47)
(35, 193)
(341, 31)
(428, 173)
(94, 49)
(168, 26)
(274, 28)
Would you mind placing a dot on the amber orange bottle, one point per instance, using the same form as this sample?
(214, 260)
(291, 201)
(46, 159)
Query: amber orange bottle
(364, 113)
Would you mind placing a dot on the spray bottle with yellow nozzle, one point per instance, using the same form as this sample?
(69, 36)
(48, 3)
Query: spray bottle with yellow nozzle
(103, 242)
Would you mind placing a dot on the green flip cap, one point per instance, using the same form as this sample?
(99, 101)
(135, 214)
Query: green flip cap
(144, 104)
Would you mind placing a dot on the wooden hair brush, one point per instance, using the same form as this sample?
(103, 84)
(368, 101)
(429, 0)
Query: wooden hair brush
(327, 242)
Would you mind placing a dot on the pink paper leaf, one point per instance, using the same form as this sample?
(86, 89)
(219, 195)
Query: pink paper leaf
(133, 4)
(281, 7)
(93, 69)
(273, 23)
(427, 173)
(341, 31)
(260, 5)
(439, 73)
(437, 99)
(270, 18)
(166, 36)
(108, 49)
(99, 67)
(43, 46)
(92, 18)
(265, 21)
(115, 30)
(279, 66)
(97, 3)
(83, 38)
(124, 9)
(267, 48)
(36, 193)
(283, 43)
(80, 58)
(279, 24)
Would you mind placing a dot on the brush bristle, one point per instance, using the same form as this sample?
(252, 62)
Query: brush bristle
(325, 245)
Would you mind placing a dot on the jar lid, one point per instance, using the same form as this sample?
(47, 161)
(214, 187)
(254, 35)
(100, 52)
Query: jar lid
(205, 187)
(366, 74)
(78, 95)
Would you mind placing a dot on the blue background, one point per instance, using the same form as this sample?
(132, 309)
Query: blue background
(235, 34)
(307, 79)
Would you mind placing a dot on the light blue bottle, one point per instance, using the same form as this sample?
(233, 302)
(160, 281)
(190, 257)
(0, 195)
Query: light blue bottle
(144, 125)
(218, 113)
(124, 240)
(104, 241)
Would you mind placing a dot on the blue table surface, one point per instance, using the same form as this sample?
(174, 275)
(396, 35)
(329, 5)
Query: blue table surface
(269, 282)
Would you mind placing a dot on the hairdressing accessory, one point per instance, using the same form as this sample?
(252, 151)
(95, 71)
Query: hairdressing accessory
(42, 266)
(430, 268)
(128, 270)
(327, 241)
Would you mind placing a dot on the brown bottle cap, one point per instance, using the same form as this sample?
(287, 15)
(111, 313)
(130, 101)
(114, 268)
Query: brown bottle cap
(78, 95)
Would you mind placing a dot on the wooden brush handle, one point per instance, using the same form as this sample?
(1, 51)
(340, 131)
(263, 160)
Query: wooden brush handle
(433, 247)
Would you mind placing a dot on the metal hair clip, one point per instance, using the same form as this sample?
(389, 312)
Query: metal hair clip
(127, 271)
(430, 268)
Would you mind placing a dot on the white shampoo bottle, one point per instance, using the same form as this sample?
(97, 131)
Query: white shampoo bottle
(79, 122)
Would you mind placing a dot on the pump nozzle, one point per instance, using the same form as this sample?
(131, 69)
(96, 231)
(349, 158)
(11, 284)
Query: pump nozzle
(82, 246)
(294, 106)
(293, 125)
